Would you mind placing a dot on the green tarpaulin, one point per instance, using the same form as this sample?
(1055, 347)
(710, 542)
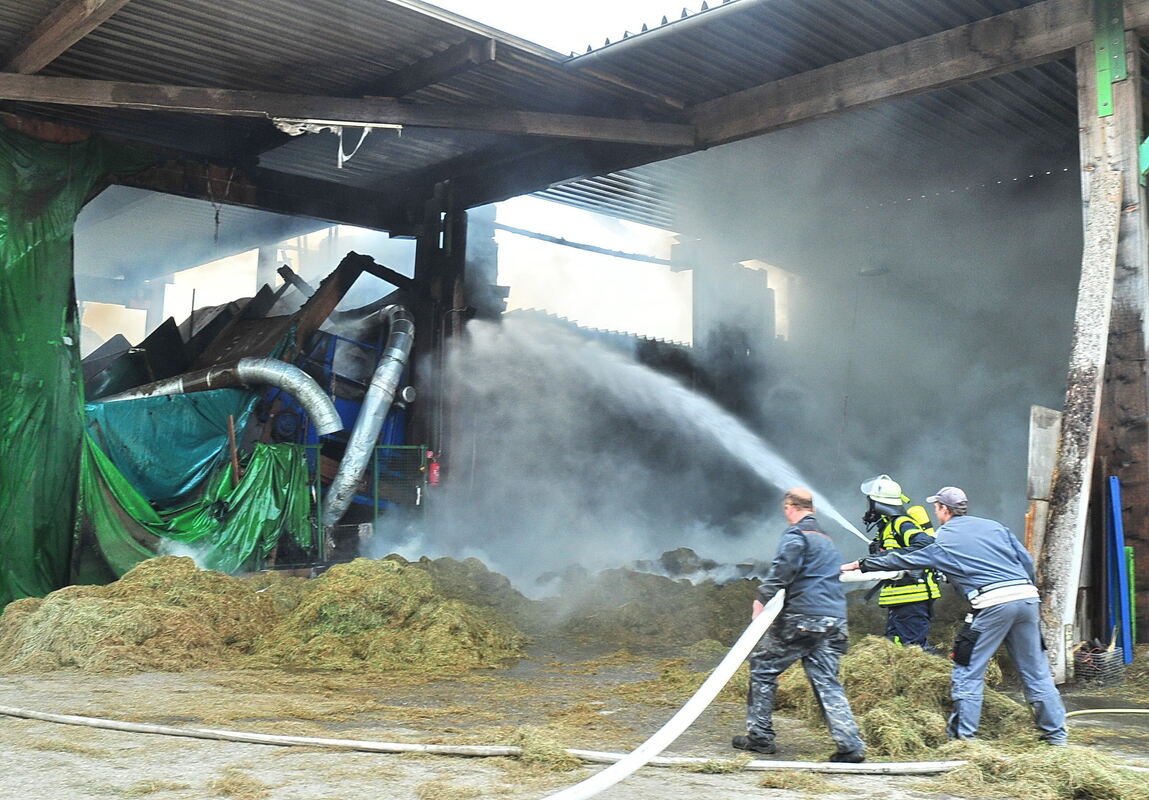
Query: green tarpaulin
(165, 446)
(42, 188)
(229, 527)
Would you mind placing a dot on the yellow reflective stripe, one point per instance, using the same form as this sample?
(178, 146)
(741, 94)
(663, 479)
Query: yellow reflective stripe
(901, 591)
(893, 595)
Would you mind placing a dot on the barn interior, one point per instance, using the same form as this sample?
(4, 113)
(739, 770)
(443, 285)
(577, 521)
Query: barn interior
(880, 210)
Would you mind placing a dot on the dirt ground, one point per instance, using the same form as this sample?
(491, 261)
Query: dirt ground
(603, 703)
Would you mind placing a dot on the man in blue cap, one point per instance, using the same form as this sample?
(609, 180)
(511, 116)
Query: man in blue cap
(987, 563)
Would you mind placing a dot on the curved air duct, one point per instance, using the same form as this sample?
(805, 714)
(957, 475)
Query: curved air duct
(376, 404)
(245, 373)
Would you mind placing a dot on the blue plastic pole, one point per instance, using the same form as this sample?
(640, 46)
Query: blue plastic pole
(1122, 588)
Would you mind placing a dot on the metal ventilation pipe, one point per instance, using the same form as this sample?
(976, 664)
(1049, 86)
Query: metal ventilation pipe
(245, 373)
(376, 404)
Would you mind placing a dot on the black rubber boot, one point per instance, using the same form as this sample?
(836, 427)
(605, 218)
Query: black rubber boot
(752, 744)
(852, 757)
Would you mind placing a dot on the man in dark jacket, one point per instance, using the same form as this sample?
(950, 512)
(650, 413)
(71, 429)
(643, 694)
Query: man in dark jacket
(811, 627)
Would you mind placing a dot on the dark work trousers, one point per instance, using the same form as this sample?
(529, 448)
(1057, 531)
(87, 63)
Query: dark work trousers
(819, 642)
(909, 623)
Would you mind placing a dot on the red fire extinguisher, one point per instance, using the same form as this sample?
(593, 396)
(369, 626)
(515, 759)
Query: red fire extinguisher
(433, 473)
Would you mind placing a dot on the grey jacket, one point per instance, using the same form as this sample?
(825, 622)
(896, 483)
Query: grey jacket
(806, 566)
(972, 552)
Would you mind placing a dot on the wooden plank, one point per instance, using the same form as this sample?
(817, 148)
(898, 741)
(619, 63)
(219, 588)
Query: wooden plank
(1060, 562)
(349, 111)
(1044, 434)
(1004, 43)
(1123, 436)
(434, 69)
(66, 24)
(389, 275)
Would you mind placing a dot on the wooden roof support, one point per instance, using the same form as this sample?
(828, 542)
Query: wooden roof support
(1123, 428)
(265, 189)
(68, 23)
(429, 71)
(1107, 401)
(1027, 36)
(348, 111)
(454, 60)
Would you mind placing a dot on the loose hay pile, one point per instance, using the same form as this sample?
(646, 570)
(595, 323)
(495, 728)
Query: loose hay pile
(165, 615)
(384, 615)
(1047, 773)
(168, 615)
(900, 697)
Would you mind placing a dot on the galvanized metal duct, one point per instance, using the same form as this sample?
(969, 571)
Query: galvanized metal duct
(376, 404)
(245, 373)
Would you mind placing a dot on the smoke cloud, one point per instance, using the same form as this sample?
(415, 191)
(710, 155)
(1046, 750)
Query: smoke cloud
(567, 453)
(933, 305)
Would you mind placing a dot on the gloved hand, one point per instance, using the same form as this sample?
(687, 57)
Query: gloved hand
(875, 548)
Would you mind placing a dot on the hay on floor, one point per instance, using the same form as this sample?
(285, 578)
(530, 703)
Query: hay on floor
(168, 615)
(901, 697)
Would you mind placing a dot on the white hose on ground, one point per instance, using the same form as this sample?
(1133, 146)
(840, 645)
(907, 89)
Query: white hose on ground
(685, 716)
(590, 756)
(1081, 711)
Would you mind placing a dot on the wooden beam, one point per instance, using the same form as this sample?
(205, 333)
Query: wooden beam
(68, 23)
(389, 275)
(452, 61)
(1059, 566)
(274, 105)
(1027, 36)
(267, 190)
(1123, 431)
(435, 69)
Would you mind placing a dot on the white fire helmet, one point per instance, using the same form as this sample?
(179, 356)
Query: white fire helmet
(883, 489)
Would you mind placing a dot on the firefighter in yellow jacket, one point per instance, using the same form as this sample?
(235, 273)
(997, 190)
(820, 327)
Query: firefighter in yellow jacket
(909, 599)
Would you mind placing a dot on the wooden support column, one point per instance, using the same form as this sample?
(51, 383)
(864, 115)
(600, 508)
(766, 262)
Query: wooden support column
(1059, 567)
(425, 370)
(1112, 142)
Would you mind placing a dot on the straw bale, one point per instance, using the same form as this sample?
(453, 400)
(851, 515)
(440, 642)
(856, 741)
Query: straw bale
(900, 696)
(382, 615)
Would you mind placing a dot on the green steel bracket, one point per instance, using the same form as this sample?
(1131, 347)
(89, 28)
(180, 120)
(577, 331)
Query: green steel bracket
(1109, 50)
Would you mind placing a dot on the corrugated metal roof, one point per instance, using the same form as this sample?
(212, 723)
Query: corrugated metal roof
(344, 47)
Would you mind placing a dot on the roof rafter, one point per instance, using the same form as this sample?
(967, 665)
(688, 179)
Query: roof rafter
(456, 59)
(66, 24)
(435, 69)
(266, 190)
(1014, 40)
(339, 110)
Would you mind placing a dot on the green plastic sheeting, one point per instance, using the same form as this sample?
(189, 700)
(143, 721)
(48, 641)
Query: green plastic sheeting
(229, 527)
(192, 427)
(42, 188)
